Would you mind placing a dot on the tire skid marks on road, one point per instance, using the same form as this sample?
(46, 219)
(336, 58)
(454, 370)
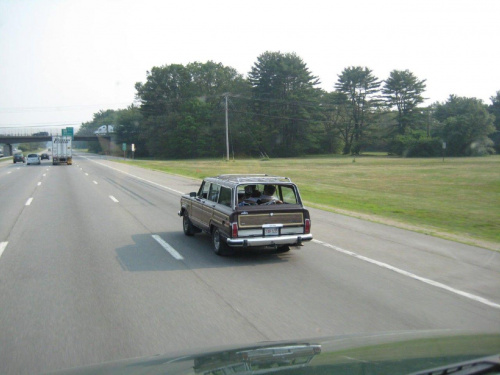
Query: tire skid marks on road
(137, 177)
(165, 245)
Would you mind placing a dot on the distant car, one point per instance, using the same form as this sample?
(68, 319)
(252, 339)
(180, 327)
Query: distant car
(104, 129)
(33, 159)
(18, 158)
(45, 156)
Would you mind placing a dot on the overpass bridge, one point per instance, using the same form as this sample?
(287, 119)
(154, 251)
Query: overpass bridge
(9, 140)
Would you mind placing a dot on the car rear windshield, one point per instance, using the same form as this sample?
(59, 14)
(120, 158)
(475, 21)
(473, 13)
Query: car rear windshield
(284, 193)
(32, 155)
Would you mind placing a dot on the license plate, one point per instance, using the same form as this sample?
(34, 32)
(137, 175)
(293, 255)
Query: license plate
(271, 232)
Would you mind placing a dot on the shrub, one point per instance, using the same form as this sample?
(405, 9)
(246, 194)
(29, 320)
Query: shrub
(415, 144)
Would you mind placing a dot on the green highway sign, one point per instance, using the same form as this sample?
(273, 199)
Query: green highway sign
(68, 132)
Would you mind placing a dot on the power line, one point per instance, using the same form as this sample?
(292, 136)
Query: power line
(40, 125)
(56, 108)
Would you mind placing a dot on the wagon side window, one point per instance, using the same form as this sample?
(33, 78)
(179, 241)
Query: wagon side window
(213, 194)
(287, 195)
(225, 196)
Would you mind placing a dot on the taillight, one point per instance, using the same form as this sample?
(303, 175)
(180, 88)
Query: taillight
(307, 226)
(234, 230)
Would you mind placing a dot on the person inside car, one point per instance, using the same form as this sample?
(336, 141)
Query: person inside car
(251, 196)
(268, 195)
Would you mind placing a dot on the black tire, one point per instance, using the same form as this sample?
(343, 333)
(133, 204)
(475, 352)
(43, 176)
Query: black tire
(187, 226)
(220, 247)
(283, 249)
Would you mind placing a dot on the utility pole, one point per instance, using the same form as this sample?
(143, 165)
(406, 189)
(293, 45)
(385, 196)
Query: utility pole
(227, 128)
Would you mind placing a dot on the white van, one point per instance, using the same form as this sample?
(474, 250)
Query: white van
(104, 129)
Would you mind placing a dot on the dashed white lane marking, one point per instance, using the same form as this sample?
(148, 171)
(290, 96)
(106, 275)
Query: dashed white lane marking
(167, 247)
(39, 183)
(137, 177)
(411, 275)
(95, 182)
(113, 199)
(3, 245)
(86, 174)
(28, 202)
(45, 174)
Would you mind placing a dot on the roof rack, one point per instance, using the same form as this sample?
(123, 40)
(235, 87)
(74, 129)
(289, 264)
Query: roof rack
(252, 177)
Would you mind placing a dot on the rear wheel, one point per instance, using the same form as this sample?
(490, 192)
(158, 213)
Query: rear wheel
(187, 225)
(220, 247)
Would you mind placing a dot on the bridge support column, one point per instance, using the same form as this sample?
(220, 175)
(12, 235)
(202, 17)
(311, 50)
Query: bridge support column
(7, 150)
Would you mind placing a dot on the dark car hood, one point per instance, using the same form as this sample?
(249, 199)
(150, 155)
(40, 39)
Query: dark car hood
(386, 353)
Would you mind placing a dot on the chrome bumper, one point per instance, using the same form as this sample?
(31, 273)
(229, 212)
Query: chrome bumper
(295, 239)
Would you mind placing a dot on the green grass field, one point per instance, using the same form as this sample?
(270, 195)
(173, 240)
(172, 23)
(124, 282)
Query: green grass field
(457, 199)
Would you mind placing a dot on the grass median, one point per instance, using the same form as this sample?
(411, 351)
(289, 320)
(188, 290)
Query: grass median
(458, 198)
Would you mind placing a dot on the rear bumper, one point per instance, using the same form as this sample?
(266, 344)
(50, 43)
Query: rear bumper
(269, 241)
(64, 159)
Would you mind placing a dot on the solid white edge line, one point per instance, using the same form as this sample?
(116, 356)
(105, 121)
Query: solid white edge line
(137, 177)
(28, 202)
(167, 247)
(113, 199)
(3, 245)
(411, 275)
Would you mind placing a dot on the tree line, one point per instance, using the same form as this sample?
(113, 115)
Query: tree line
(278, 110)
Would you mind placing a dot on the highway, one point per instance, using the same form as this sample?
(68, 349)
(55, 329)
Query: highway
(86, 277)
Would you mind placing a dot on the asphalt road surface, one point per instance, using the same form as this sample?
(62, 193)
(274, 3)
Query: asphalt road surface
(86, 277)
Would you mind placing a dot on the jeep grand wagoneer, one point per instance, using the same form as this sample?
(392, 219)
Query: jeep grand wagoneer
(242, 211)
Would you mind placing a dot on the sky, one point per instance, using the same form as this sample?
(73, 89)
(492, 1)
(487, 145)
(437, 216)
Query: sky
(61, 61)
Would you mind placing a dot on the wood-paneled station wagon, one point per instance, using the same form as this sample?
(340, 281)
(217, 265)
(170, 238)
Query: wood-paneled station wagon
(244, 211)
